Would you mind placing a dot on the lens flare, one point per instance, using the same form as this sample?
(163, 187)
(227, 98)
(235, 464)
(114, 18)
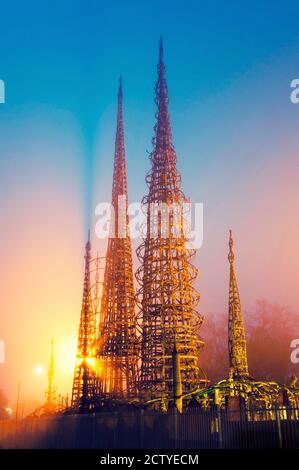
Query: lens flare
(39, 369)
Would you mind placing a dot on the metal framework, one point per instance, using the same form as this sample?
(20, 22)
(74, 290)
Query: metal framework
(160, 365)
(240, 391)
(54, 403)
(85, 368)
(237, 351)
(168, 318)
(117, 343)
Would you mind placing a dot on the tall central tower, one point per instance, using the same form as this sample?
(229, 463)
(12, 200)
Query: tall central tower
(236, 333)
(117, 344)
(169, 320)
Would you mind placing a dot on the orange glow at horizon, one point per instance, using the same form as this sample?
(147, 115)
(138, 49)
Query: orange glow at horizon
(41, 250)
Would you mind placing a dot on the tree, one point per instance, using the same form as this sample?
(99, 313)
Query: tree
(214, 358)
(270, 332)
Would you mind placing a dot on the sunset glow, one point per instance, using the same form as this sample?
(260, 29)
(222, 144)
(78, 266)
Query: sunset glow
(39, 370)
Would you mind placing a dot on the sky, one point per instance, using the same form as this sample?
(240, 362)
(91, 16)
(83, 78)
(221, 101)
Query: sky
(229, 69)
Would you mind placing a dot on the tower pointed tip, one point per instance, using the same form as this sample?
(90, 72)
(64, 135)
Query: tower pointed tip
(52, 350)
(120, 95)
(231, 255)
(87, 246)
(161, 51)
(120, 86)
(52, 355)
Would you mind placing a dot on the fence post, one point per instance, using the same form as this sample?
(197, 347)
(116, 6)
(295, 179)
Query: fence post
(278, 428)
(175, 428)
(115, 432)
(220, 440)
(141, 423)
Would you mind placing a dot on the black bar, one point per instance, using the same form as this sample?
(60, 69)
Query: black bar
(143, 458)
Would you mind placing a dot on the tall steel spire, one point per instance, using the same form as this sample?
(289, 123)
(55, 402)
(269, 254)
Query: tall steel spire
(163, 135)
(84, 376)
(236, 333)
(117, 342)
(120, 185)
(168, 299)
(51, 390)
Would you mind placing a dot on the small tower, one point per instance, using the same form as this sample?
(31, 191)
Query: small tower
(84, 376)
(117, 342)
(51, 390)
(168, 298)
(236, 333)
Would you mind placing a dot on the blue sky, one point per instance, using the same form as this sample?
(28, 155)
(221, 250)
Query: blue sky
(68, 55)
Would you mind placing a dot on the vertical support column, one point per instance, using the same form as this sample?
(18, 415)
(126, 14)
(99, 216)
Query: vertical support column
(177, 381)
(278, 428)
(218, 414)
